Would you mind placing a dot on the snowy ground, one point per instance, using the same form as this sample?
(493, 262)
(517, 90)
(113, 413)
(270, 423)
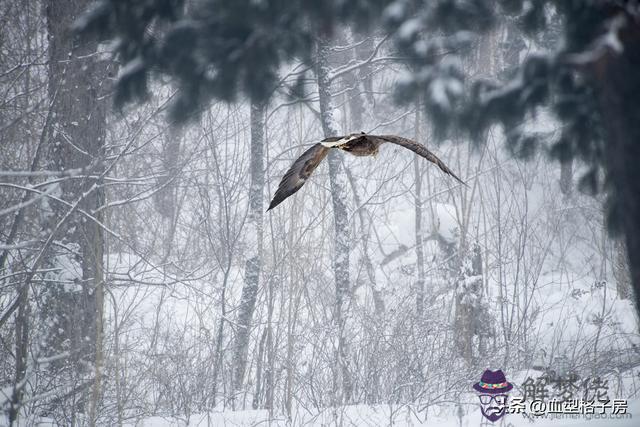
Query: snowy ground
(374, 416)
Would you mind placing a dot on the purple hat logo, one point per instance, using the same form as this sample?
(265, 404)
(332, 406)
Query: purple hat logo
(493, 388)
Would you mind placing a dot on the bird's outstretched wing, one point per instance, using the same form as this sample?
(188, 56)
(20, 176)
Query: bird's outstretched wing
(420, 150)
(298, 174)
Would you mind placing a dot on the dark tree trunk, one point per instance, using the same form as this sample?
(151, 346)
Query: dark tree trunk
(22, 345)
(618, 88)
(77, 136)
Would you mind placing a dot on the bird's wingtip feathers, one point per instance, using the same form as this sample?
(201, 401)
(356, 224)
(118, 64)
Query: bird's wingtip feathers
(277, 199)
(458, 179)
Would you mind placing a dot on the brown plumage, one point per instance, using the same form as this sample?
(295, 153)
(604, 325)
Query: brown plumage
(358, 144)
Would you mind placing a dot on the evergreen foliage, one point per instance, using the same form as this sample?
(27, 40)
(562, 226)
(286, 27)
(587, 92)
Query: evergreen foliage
(221, 48)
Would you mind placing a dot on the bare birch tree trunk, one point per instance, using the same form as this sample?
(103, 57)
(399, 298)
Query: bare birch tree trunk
(254, 245)
(340, 217)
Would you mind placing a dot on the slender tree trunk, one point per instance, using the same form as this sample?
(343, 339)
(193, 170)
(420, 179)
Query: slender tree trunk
(259, 363)
(340, 217)
(22, 345)
(22, 320)
(621, 271)
(365, 73)
(254, 246)
(467, 303)
(566, 177)
(117, 367)
(98, 282)
(372, 376)
(166, 200)
(271, 357)
(358, 105)
(295, 293)
(417, 169)
(217, 364)
(351, 82)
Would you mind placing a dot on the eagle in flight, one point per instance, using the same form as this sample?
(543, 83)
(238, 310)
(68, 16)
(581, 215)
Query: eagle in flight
(358, 144)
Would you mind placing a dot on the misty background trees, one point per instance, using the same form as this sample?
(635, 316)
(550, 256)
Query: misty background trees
(140, 275)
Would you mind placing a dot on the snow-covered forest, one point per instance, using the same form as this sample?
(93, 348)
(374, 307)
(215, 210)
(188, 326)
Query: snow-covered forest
(143, 283)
